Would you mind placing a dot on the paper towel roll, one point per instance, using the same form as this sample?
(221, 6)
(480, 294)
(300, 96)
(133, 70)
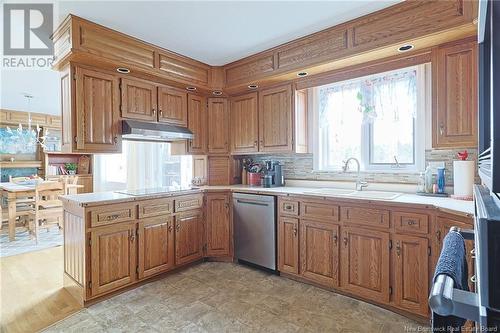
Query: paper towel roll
(463, 177)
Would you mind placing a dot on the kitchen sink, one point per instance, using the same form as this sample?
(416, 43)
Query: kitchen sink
(375, 195)
(330, 191)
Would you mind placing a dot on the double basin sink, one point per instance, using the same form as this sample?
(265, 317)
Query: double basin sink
(380, 195)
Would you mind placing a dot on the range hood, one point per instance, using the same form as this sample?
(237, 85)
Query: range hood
(153, 132)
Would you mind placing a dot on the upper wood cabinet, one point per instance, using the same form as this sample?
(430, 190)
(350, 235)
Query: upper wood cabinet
(138, 99)
(276, 119)
(365, 263)
(113, 257)
(218, 126)
(411, 277)
(97, 114)
(172, 106)
(319, 252)
(455, 95)
(188, 237)
(197, 123)
(219, 226)
(244, 124)
(156, 245)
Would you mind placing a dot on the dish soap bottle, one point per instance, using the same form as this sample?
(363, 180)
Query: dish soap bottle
(428, 179)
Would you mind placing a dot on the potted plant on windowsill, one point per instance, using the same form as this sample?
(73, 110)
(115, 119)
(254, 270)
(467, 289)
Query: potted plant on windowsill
(71, 168)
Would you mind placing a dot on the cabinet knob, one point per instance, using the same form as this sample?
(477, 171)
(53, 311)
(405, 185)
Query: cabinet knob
(295, 232)
(255, 143)
(441, 129)
(132, 238)
(335, 238)
(161, 113)
(345, 241)
(473, 279)
(154, 111)
(115, 140)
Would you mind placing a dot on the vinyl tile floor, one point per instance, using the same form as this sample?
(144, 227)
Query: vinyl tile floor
(226, 297)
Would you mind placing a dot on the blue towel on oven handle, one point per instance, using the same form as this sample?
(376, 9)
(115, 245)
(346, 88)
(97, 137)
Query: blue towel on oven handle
(452, 262)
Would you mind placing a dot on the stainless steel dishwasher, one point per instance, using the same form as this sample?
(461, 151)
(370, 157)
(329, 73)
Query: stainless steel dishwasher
(255, 229)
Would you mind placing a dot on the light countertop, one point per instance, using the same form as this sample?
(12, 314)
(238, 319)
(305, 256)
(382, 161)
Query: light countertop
(446, 204)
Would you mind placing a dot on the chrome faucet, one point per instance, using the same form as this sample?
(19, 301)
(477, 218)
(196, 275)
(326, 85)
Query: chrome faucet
(359, 183)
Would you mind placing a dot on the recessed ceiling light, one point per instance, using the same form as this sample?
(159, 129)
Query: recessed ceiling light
(406, 47)
(302, 74)
(191, 88)
(253, 86)
(217, 92)
(123, 70)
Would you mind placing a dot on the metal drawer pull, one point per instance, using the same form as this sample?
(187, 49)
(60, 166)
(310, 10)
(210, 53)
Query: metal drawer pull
(473, 279)
(295, 231)
(288, 207)
(112, 217)
(412, 222)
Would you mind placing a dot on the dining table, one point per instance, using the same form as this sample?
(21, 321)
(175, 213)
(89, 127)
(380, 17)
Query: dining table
(12, 192)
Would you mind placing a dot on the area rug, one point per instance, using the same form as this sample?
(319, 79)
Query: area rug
(46, 239)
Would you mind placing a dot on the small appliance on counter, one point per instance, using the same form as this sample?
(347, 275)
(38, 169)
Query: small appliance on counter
(273, 174)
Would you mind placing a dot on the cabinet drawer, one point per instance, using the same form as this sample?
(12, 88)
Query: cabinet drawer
(288, 207)
(366, 216)
(412, 222)
(317, 210)
(188, 202)
(155, 207)
(112, 214)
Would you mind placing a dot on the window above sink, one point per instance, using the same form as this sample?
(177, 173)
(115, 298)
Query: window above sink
(379, 119)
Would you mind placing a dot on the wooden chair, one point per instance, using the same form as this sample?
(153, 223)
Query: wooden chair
(47, 207)
(70, 182)
(23, 205)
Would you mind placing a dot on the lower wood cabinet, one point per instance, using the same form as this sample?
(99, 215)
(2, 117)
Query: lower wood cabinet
(219, 230)
(113, 257)
(188, 237)
(365, 263)
(319, 252)
(288, 245)
(411, 277)
(155, 246)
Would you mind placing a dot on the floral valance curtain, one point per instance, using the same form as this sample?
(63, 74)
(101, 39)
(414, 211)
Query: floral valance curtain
(380, 96)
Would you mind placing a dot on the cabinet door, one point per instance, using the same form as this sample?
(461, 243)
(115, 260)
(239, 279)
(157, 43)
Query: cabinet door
(156, 245)
(188, 237)
(319, 252)
(276, 119)
(113, 257)
(172, 106)
(288, 245)
(365, 263)
(219, 227)
(197, 123)
(244, 124)
(411, 277)
(218, 126)
(443, 225)
(97, 112)
(455, 91)
(138, 100)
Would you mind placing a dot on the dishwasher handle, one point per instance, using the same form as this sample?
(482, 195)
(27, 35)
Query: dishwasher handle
(257, 203)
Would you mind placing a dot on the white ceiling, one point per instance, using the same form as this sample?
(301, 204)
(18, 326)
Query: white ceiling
(219, 32)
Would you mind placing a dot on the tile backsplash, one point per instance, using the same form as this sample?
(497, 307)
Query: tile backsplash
(300, 167)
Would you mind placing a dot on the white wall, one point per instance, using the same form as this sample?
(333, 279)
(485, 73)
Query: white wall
(42, 84)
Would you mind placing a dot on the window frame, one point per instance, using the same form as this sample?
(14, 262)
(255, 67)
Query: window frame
(423, 110)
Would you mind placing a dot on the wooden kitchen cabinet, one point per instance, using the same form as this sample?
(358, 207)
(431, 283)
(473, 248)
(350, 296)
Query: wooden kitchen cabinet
(411, 276)
(455, 95)
(138, 99)
(155, 246)
(113, 257)
(219, 226)
(276, 119)
(172, 106)
(97, 116)
(197, 123)
(188, 237)
(319, 252)
(288, 245)
(244, 124)
(365, 263)
(442, 227)
(218, 126)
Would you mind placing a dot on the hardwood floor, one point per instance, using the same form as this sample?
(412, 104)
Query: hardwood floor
(32, 295)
